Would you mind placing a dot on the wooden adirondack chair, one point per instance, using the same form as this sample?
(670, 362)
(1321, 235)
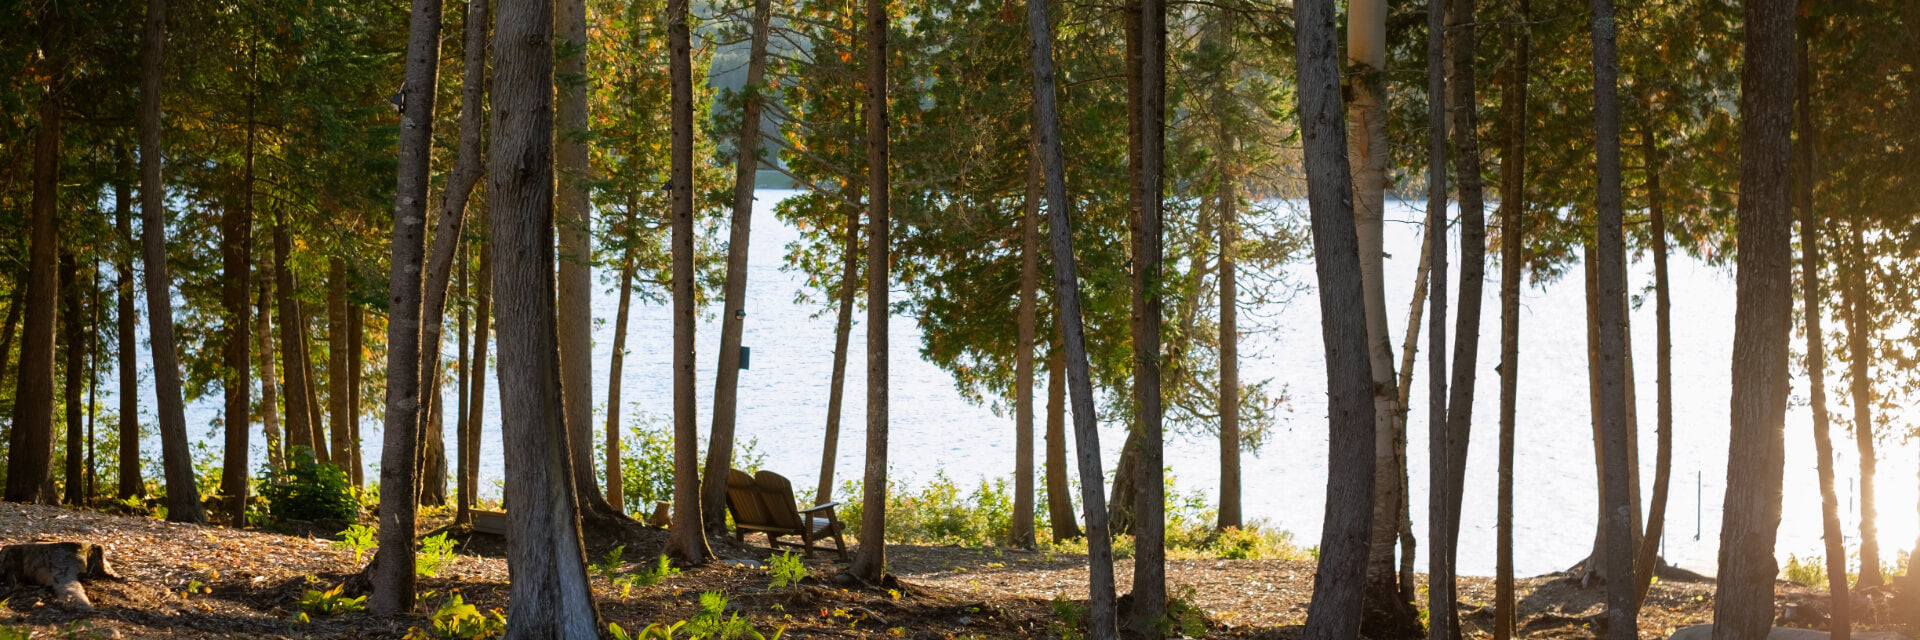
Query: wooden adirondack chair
(763, 503)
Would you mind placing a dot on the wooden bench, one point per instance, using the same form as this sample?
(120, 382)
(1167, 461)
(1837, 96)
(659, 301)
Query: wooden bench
(763, 503)
(494, 522)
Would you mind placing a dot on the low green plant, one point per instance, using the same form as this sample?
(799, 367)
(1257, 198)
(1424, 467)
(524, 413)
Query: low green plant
(457, 620)
(10, 633)
(307, 489)
(1067, 625)
(1256, 541)
(609, 568)
(330, 602)
(787, 569)
(359, 538)
(647, 464)
(711, 623)
(435, 555)
(1183, 615)
(1809, 572)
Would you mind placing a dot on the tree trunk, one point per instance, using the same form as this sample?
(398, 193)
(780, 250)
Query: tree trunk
(72, 316)
(686, 537)
(1022, 534)
(1840, 620)
(1513, 257)
(1743, 598)
(93, 387)
(843, 326)
(393, 568)
(1150, 522)
(1347, 527)
(726, 379)
(576, 249)
(300, 429)
(1073, 336)
(1610, 277)
(269, 382)
(616, 490)
(1388, 614)
(338, 414)
(477, 402)
(870, 562)
(1229, 200)
(447, 231)
(463, 426)
(1441, 601)
(16, 302)
(1060, 517)
(553, 599)
(30, 443)
(310, 384)
(356, 337)
(1410, 347)
(131, 484)
(183, 498)
(236, 256)
(1462, 103)
(433, 440)
(1860, 358)
(1648, 558)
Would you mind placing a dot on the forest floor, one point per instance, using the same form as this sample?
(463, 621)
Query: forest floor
(190, 581)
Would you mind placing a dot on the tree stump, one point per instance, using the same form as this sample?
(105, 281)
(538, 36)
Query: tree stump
(56, 565)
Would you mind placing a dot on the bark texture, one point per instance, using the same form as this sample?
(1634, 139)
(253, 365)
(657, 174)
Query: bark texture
(1610, 274)
(1102, 618)
(131, 484)
(870, 561)
(392, 572)
(1022, 534)
(183, 498)
(1337, 604)
(686, 539)
(576, 250)
(1150, 522)
(1513, 256)
(1743, 596)
(30, 442)
(842, 328)
(1859, 320)
(550, 591)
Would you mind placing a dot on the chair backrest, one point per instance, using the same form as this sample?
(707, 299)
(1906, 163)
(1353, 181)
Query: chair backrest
(777, 497)
(743, 499)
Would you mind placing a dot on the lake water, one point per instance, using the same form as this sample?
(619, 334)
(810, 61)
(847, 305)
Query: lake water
(783, 404)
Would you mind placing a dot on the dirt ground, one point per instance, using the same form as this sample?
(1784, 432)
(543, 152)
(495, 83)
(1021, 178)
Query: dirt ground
(190, 581)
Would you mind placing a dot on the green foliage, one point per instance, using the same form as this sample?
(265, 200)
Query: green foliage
(1256, 541)
(10, 633)
(710, 623)
(646, 462)
(359, 538)
(457, 620)
(307, 489)
(786, 569)
(330, 602)
(609, 568)
(1069, 619)
(435, 555)
(1183, 615)
(1810, 572)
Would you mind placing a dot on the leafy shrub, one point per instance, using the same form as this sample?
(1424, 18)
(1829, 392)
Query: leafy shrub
(359, 538)
(609, 568)
(435, 555)
(457, 620)
(787, 569)
(1255, 541)
(1810, 572)
(308, 489)
(330, 602)
(646, 461)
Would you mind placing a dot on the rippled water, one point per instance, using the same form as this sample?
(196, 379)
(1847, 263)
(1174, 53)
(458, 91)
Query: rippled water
(783, 404)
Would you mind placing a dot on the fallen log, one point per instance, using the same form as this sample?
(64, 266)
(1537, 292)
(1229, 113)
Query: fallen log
(57, 565)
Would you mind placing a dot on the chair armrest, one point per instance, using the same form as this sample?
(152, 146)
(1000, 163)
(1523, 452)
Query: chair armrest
(828, 507)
